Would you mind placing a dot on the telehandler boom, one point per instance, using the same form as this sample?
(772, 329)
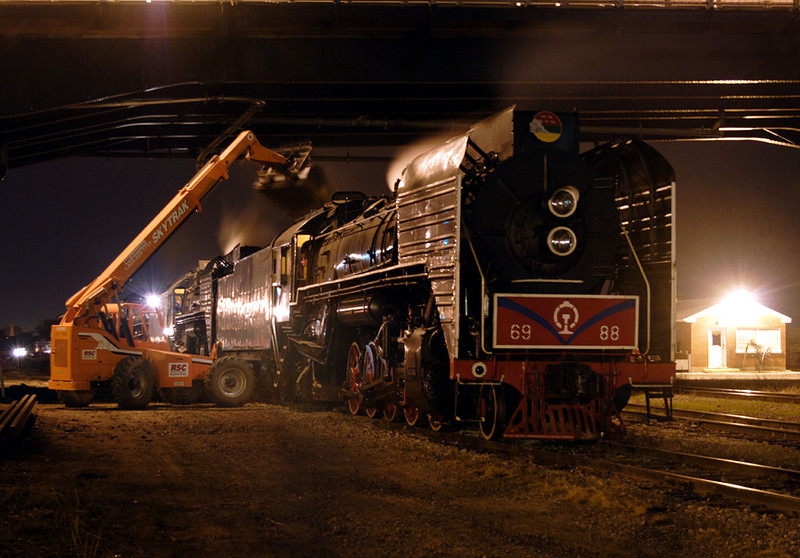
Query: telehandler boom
(101, 340)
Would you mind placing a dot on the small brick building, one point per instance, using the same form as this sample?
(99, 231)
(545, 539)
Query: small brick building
(735, 334)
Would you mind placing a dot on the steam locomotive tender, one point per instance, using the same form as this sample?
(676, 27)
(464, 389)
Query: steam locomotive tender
(508, 282)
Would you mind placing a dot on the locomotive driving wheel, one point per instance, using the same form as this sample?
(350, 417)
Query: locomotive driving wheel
(371, 412)
(353, 374)
(390, 412)
(435, 422)
(411, 414)
(369, 374)
(492, 410)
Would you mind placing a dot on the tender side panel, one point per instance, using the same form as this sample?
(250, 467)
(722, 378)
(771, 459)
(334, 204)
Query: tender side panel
(243, 305)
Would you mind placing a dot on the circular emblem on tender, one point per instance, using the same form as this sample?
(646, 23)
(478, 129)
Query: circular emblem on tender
(546, 126)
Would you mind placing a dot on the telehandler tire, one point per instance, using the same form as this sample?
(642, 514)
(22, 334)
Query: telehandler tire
(182, 395)
(230, 382)
(132, 383)
(76, 398)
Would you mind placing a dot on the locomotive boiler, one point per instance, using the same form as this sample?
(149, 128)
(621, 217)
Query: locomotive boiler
(507, 282)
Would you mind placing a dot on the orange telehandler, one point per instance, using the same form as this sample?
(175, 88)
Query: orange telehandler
(101, 340)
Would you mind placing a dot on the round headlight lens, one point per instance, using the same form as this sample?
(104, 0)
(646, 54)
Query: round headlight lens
(562, 241)
(564, 201)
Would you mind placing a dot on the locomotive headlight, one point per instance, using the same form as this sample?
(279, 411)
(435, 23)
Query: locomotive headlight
(564, 201)
(562, 241)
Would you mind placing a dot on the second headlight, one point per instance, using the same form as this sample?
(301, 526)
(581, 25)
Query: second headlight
(564, 201)
(562, 241)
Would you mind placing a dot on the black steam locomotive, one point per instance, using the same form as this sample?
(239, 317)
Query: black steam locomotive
(508, 281)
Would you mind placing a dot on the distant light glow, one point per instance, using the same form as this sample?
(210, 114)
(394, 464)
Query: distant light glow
(153, 301)
(169, 331)
(20, 352)
(740, 297)
(739, 308)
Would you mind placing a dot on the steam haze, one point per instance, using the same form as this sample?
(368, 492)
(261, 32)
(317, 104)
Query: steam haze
(407, 154)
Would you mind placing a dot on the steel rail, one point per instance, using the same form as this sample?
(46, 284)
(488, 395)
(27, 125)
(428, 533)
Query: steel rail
(749, 429)
(717, 463)
(745, 494)
(760, 432)
(774, 397)
(722, 417)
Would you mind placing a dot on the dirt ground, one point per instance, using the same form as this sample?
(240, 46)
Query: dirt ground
(270, 480)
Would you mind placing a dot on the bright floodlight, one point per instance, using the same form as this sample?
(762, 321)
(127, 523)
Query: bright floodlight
(739, 308)
(153, 301)
(20, 352)
(740, 298)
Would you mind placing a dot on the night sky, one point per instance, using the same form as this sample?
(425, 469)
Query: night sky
(64, 221)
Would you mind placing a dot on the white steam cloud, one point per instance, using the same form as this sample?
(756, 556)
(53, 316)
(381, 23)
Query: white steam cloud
(409, 153)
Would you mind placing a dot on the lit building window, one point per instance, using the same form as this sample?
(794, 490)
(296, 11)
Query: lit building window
(749, 340)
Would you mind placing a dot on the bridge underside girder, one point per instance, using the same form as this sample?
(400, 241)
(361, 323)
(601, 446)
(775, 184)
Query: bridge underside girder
(166, 80)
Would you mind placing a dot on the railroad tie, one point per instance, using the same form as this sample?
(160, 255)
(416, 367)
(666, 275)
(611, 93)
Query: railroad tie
(15, 419)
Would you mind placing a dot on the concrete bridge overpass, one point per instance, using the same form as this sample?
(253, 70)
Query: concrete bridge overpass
(167, 79)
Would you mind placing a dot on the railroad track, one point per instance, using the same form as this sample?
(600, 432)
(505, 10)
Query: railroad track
(770, 396)
(703, 485)
(753, 427)
(715, 469)
(706, 484)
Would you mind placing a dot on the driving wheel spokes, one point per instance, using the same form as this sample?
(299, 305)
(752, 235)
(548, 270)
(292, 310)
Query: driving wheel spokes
(371, 412)
(391, 412)
(492, 409)
(370, 364)
(353, 375)
(411, 414)
(435, 422)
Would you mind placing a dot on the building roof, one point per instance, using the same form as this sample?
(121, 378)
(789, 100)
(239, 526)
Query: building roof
(737, 310)
(691, 306)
